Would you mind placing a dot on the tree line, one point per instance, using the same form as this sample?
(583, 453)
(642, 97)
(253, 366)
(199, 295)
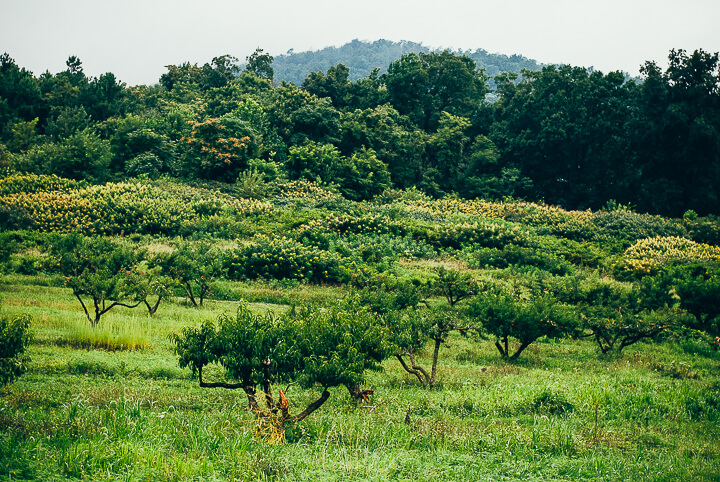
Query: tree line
(564, 135)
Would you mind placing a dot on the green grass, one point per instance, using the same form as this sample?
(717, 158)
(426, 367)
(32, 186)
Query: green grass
(563, 412)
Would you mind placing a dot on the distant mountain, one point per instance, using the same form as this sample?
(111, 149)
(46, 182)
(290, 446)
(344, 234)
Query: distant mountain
(362, 57)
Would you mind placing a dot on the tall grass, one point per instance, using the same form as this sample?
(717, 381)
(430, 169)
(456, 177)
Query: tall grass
(111, 335)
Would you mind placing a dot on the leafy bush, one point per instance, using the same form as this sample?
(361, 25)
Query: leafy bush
(281, 258)
(512, 255)
(309, 194)
(382, 250)
(15, 337)
(495, 234)
(633, 226)
(31, 183)
(388, 294)
(345, 224)
(390, 196)
(703, 230)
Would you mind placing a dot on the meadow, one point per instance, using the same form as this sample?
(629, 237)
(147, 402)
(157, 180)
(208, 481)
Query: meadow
(562, 412)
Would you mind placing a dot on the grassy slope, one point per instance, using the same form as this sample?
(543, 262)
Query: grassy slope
(563, 412)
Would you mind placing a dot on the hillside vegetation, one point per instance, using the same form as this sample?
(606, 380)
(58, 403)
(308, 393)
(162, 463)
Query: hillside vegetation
(509, 340)
(224, 278)
(361, 58)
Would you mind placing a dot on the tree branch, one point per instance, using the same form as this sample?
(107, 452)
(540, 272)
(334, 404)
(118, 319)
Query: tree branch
(313, 406)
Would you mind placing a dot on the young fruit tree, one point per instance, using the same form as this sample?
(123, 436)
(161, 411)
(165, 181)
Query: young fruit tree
(96, 268)
(617, 317)
(194, 266)
(311, 347)
(506, 315)
(410, 331)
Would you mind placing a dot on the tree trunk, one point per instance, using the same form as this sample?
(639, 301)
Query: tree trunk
(313, 406)
(188, 290)
(419, 368)
(410, 370)
(436, 354)
(152, 309)
(520, 349)
(500, 348)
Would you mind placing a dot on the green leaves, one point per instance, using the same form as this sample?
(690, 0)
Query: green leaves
(327, 347)
(15, 337)
(507, 315)
(95, 268)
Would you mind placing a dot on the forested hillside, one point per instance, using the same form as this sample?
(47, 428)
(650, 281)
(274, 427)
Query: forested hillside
(361, 58)
(562, 135)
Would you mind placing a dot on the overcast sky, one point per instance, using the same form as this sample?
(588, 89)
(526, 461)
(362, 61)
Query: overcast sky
(135, 39)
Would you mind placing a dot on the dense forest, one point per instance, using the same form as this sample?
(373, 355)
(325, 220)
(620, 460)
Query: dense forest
(563, 135)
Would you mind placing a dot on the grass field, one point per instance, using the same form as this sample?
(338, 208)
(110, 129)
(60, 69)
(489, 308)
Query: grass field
(563, 412)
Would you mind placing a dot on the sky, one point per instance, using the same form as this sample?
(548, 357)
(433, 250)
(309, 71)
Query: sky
(135, 39)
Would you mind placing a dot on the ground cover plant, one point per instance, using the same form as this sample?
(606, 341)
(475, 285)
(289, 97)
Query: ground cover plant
(322, 338)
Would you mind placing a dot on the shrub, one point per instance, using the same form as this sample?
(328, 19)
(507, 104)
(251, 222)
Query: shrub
(669, 248)
(160, 207)
(634, 226)
(495, 234)
(281, 258)
(15, 337)
(382, 250)
(703, 230)
(345, 224)
(512, 255)
(30, 183)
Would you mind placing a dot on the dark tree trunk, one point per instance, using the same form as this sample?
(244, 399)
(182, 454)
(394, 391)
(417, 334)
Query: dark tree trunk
(152, 309)
(410, 370)
(436, 355)
(189, 291)
(313, 406)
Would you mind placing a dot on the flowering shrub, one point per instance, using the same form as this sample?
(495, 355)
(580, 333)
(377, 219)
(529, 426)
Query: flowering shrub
(281, 258)
(129, 207)
(488, 234)
(345, 224)
(29, 183)
(309, 194)
(667, 248)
